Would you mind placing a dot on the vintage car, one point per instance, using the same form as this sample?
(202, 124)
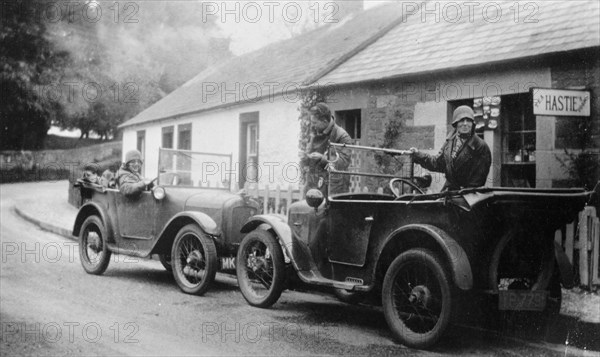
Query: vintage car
(417, 254)
(189, 218)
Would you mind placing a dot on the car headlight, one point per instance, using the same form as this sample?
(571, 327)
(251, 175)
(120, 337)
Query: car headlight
(158, 192)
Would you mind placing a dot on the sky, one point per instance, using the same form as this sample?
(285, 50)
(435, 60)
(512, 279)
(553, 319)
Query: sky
(253, 31)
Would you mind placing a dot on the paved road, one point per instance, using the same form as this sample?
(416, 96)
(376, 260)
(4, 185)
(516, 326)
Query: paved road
(50, 306)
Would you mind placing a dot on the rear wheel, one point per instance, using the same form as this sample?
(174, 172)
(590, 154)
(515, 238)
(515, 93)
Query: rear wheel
(417, 298)
(194, 260)
(93, 251)
(260, 268)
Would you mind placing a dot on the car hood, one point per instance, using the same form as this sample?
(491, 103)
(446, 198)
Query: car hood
(210, 199)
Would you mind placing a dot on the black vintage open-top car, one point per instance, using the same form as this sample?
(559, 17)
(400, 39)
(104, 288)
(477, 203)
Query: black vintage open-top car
(418, 252)
(189, 218)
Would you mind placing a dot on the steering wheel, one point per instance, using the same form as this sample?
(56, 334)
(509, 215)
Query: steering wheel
(152, 183)
(403, 180)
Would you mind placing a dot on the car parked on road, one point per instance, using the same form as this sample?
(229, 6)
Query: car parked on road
(189, 218)
(419, 254)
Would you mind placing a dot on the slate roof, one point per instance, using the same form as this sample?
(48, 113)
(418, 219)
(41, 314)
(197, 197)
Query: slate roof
(418, 46)
(282, 66)
(380, 43)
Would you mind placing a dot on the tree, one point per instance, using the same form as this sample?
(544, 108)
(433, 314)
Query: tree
(29, 64)
(131, 58)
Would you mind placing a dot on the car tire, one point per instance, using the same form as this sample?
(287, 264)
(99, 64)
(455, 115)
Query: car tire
(193, 260)
(165, 260)
(93, 250)
(417, 298)
(260, 268)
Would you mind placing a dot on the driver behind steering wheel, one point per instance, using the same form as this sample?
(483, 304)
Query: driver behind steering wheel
(129, 178)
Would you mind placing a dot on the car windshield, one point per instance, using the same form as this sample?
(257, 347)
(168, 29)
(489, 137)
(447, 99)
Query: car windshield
(369, 170)
(194, 169)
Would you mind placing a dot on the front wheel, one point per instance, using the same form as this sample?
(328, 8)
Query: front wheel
(93, 251)
(260, 268)
(194, 260)
(417, 298)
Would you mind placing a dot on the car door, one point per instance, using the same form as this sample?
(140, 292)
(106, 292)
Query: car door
(137, 217)
(350, 227)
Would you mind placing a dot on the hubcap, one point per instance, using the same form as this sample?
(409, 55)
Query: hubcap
(420, 296)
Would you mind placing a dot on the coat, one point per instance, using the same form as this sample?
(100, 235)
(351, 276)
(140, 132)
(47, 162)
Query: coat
(316, 170)
(470, 168)
(130, 183)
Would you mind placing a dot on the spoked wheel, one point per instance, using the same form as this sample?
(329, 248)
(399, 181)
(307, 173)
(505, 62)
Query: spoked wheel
(194, 260)
(260, 268)
(165, 260)
(93, 251)
(417, 298)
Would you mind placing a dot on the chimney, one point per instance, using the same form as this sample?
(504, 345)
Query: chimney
(347, 7)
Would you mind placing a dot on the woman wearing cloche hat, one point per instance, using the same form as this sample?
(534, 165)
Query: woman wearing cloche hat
(464, 158)
(129, 178)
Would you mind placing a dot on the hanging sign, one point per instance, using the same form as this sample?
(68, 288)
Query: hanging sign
(560, 102)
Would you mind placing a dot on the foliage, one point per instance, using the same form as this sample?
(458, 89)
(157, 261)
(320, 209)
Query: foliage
(29, 61)
(133, 59)
(310, 97)
(92, 74)
(583, 166)
(387, 164)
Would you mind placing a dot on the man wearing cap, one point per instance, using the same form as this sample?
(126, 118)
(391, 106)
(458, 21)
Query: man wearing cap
(324, 130)
(465, 159)
(129, 179)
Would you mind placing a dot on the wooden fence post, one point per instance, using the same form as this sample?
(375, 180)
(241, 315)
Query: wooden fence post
(277, 199)
(569, 244)
(596, 251)
(266, 200)
(289, 198)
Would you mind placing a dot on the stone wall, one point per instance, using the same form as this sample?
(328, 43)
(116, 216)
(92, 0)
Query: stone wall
(53, 164)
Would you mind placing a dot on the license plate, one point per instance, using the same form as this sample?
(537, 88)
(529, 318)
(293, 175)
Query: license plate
(522, 300)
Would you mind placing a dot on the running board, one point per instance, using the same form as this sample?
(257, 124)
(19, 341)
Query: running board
(312, 278)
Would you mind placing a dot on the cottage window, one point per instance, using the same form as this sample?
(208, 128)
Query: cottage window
(249, 149)
(518, 141)
(167, 137)
(184, 140)
(350, 121)
(141, 143)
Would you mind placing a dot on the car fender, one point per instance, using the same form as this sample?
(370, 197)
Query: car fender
(88, 209)
(279, 225)
(178, 221)
(454, 255)
(564, 266)
(207, 224)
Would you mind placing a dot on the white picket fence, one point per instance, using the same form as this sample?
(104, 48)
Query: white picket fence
(583, 236)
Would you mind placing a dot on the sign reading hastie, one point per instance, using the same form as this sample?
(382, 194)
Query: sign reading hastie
(561, 102)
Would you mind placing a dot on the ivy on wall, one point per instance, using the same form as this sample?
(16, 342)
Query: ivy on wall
(309, 99)
(392, 165)
(583, 167)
